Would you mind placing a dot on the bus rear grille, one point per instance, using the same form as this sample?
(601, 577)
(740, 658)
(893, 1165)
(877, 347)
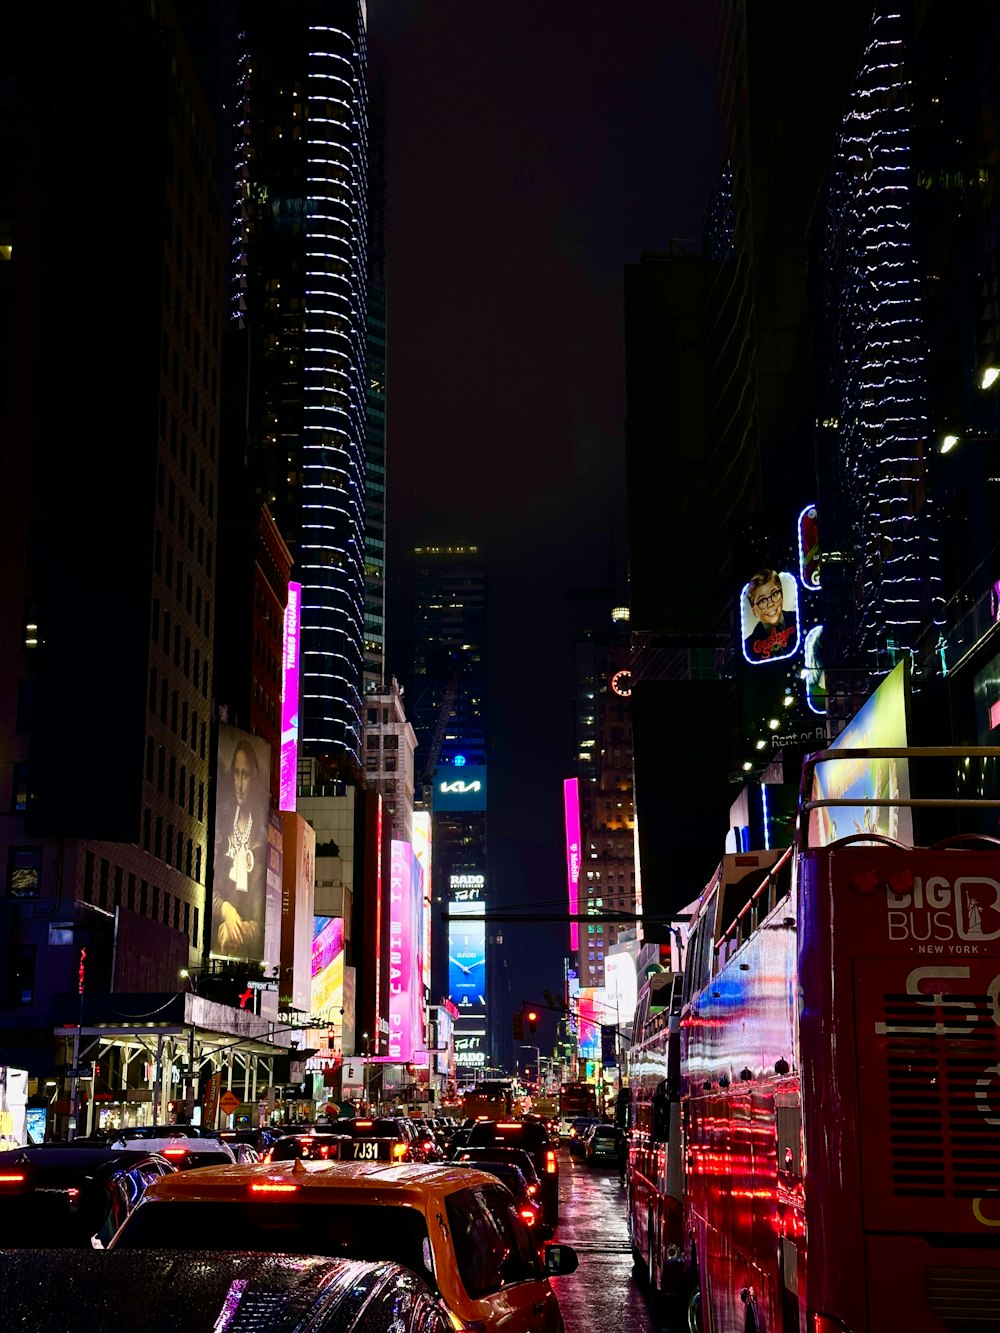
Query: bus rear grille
(966, 1300)
(936, 1051)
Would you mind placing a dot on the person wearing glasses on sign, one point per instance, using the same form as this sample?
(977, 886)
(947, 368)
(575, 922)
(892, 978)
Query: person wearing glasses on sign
(776, 631)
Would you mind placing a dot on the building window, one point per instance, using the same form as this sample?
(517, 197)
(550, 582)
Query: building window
(390, 763)
(371, 741)
(19, 788)
(371, 763)
(24, 872)
(391, 742)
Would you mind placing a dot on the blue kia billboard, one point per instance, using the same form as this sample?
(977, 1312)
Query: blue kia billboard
(459, 788)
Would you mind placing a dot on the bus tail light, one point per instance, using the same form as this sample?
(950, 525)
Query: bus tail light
(272, 1187)
(551, 1165)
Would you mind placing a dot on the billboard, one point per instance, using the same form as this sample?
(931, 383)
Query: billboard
(880, 723)
(459, 788)
(571, 805)
(622, 985)
(290, 698)
(422, 851)
(298, 889)
(405, 964)
(589, 1037)
(327, 968)
(467, 957)
(809, 563)
(769, 617)
(239, 868)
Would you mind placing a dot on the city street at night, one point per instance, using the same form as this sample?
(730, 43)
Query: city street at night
(604, 1295)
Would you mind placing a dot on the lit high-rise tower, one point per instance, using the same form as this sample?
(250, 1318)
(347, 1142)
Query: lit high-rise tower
(300, 301)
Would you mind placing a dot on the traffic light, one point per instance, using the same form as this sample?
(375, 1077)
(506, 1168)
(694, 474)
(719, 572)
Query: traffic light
(532, 1021)
(519, 1027)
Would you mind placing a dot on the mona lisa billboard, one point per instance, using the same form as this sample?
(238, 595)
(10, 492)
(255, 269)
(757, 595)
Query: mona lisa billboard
(239, 868)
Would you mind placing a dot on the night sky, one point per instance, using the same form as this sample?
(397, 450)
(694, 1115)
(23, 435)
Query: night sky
(533, 149)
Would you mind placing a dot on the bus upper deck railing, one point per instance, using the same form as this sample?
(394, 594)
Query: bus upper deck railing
(808, 802)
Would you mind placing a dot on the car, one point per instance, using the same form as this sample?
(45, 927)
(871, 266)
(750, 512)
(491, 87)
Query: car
(205, 1291)
(61, 1195)
(458, 1229)
(533, 1138)
(397, 1129)
(604, 1144)
(185, 1151)
(526, 1197)
(260, 1139)
(579, 1130)
(314, 1147)
(514, 1156)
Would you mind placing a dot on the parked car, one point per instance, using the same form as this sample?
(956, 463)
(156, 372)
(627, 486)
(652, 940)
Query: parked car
(604, 1144)
(61, 1195)
(579, 1130)
(203, 1291)
(456, 1228)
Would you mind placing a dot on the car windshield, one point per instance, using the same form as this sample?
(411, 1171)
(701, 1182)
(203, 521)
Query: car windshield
(516, 1156)
(337, 1229)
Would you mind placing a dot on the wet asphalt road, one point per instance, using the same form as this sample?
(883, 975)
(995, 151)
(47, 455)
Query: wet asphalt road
(603, 1295)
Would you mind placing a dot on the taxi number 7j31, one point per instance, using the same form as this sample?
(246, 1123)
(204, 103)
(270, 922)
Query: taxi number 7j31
(365, 1150)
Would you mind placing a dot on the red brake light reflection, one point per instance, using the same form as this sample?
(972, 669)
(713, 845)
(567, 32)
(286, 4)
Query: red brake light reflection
(270, 1187)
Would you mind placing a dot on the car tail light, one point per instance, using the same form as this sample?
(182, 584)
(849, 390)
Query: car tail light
(175, 1152)
(73, 1194)
(551, 1165)
(364, 1124)
(272, 1187)
(532, 1189)
(427, 1143)
(528, 1216)
(12, 1178)
(399, 1151)
(508, 1125)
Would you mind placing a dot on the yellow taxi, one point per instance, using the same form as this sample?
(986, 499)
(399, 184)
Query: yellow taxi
(455, 1227)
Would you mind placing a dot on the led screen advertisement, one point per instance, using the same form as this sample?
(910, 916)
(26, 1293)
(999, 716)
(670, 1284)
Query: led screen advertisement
(290, 698)
(327, 968)
(769, 617)
(571, 804)
(880, 723)
(459, 788)
(298, 887)
(422, 851)
(239, 870)
(467, 957)
(405, 964)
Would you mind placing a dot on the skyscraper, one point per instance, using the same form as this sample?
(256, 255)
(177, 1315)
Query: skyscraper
(299, 298)
(450, 720)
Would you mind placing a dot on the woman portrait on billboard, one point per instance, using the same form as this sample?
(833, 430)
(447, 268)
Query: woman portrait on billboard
(241, 860)
(769, 617)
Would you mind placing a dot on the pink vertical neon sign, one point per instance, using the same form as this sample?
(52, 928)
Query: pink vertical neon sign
(404, 962)
(290, 698)
(571, 803)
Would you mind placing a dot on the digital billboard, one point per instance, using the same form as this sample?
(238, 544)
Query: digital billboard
(327, 968)
(622, 985)
(571, 805)
(769, 617)
(809, 548)
(239, 868)
(589, 1038)
(298, 887)
(459, 788)
(880, 724)
(405, 967)
(467, 957)
(422, 851)
(290, 698)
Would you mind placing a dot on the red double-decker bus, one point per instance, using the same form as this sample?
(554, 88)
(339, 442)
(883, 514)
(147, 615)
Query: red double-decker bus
(840, 1074)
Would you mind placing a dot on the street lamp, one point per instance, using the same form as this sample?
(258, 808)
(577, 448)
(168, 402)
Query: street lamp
(538, 1063)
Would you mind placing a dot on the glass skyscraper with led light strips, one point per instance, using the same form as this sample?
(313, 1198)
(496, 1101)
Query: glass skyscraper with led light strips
(300, 325)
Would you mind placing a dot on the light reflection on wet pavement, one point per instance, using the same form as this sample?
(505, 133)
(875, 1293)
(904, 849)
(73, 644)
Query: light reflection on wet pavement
(603, 1295)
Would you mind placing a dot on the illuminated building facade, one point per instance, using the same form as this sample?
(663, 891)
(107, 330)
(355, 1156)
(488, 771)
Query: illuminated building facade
(299, 299)
(450, 721)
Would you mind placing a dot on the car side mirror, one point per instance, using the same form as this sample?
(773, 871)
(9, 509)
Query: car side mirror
(560, 1260)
